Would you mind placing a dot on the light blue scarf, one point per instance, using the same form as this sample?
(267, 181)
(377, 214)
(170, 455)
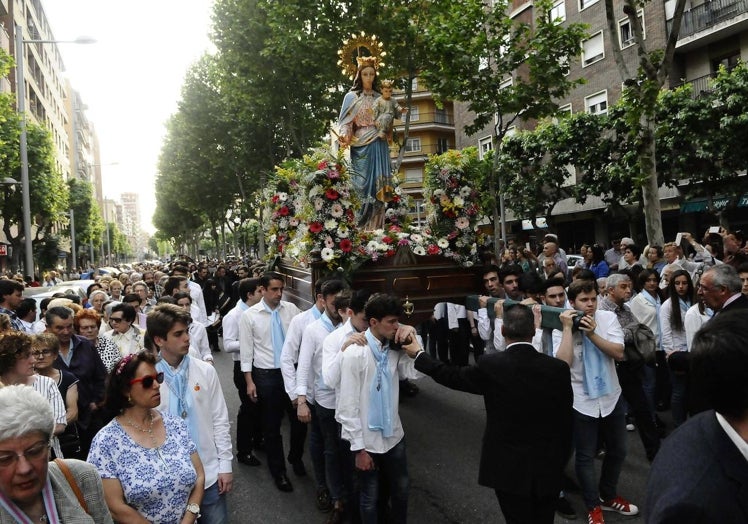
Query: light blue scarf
(380, 399)
(597, 380)
(656, 303)
(181, 403)
(684, 306)
(276, 332)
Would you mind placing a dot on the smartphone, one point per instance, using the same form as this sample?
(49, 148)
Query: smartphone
(527, 246)
(678, 239)
(714, 229)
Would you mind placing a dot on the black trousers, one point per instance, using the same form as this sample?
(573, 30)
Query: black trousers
(248, 421)
(631, 387)
(522, 509)
(274, 402)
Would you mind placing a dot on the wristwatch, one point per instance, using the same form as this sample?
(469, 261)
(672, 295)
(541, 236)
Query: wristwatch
(194, 509)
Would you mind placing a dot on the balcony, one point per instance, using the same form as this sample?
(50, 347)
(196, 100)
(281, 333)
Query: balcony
(699, 85)
(710, 14)
(424, 121)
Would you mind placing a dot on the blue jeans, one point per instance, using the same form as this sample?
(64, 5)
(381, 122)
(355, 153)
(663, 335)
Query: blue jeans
(213, 509)
(679, 382)
(334, 460)
(394, 466)
(612, 431)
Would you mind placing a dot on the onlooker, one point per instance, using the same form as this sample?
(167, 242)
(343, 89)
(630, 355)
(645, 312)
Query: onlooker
(720, 288)
(87, 323)
(11, 295)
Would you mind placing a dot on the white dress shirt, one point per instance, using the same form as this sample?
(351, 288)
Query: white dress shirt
(292, 345)
(196, 294)
(309, 380)
(608, 328)
(214, 447)
(358, 371)
(331, 355)
(692, 322)
(500, 343)
(199, 341)
(646, 313)
(672, 340)
(231, 330)
(255, 334)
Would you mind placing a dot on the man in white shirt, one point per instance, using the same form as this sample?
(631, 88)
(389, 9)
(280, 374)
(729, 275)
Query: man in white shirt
(191, 390)
(368, 408)
(196, 292)
(262, 331)
(248, 428)
(591, 351)
(198, 333)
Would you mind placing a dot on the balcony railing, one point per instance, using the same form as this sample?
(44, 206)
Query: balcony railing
(430, 149)
(437, 117)
(699, 85)
(709, 14)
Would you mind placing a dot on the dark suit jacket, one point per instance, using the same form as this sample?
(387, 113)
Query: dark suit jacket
(739, 303)
(86, 364)
(698, 476)
(528, 400)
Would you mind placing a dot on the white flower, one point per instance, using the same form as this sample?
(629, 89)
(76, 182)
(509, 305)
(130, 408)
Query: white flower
(390, 213)
(315, 191)
(282, 197)
(458, 201)
(342, 232)
(345, 202)
(473, 249)
(468, 263)
(371, 246)
(465, 191)
(462, 222)
(336, 210)
(272, 239)
(283, 224)
(418, 250)
(438, 192)
(329, 242)
(402, 234)
(442, 243)
(327, 254)
(331, 224)
(293, 222)
(398, 191)
(415, 237)
(318, 204)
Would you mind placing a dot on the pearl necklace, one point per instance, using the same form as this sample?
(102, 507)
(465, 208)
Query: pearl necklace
(148, 430)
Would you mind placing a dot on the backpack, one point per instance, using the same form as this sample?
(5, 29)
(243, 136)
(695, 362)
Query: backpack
(642, 351)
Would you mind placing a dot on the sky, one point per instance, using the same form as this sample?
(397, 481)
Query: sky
(130, 79)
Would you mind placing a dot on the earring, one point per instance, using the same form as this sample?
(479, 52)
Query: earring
(129, 400)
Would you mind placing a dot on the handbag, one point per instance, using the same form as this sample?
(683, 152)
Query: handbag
(70, 442)
(73, 484)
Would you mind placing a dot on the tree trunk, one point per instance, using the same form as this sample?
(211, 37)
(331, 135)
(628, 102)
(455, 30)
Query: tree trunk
(650, 194)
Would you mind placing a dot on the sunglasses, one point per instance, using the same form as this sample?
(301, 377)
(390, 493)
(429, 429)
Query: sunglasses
(115, 320)
(148, 380)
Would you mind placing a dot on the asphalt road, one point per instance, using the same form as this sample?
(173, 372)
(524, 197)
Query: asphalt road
(443, 431)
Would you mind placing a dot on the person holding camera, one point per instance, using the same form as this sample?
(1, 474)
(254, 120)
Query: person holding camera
(590, 345)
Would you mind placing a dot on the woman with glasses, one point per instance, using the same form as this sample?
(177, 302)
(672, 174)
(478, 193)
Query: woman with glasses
(46, 347)
(127, 336)
(33, 489)
(87, 323)
(17, 368)
(149, 466)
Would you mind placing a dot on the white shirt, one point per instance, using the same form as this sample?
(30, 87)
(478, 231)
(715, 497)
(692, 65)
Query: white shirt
(358, 371)
(692, 322)
(331, 355)
(129, 342)
(214, 447)
(484, 330)
(255, 334)
(672, 339)
(608, 328)
(733, 435)
(309, 380)
(646, 313)
(454, 312)
(47, 388)
(231, 330)
(500, 343)
(196, 294)
(199, 341)
(292, 345)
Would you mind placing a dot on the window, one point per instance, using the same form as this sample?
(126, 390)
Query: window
(626, 31)
(597, 104)
(413, 145)
(484, 146)
(558, 11)
(592, 49)
(564, 110)
(414, 114)
(507, 82)
(442, 145)
(414, 84)
(584, 4)
(414, 175)
(482, 63)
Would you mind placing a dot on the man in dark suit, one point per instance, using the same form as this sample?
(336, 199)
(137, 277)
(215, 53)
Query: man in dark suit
(528, 400)
(720, 287)
(700, 474)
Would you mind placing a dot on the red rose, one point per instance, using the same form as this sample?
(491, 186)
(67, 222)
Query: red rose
(315, 227)
(387, 240)
(433, 249)
(331, 194)
(283, 211)
(346, 245)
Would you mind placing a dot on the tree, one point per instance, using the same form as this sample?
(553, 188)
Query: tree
(89, 224)
(475, 48)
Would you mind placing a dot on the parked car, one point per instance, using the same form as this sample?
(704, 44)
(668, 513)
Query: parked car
(573, 260)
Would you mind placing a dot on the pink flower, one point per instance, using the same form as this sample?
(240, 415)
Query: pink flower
(333, 175)
(329, 242)
(462, 222)
(322, 165)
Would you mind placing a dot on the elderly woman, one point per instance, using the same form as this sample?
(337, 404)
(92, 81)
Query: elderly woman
(127, 336)
(150, 468)
(96, 300)
(87, 323)
(115, 290)
(34, 489)
(17, 368)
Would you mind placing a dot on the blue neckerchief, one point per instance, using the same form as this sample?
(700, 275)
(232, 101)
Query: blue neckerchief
(181, 403)
(316, 312)
(656, 303)
(596, 380)
(380, 400)
(683, 305)
(243, 306)
(277, 333)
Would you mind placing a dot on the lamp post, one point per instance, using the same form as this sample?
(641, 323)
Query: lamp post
(21, 94)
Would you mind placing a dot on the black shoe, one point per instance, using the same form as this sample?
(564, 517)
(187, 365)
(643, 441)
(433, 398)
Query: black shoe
(259, 445)
(564, 509)
(337, 515)
(283, 484)
(299, 469)
(248, 459)
(324, 504)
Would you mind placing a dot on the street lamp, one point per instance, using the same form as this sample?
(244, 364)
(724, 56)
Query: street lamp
(21, 94)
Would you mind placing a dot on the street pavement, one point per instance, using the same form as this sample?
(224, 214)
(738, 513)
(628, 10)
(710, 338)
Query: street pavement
(444, 430)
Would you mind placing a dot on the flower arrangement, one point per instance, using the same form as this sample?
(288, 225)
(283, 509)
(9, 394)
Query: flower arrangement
(452, 204)
(282, 199)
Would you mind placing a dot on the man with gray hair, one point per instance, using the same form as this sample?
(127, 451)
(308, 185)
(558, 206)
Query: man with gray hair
(720, 288)
(630, 373)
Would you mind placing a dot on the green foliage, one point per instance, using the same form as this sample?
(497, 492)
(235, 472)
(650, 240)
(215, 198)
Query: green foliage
(88, 222)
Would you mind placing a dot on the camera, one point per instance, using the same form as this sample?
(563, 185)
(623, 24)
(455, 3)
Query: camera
(576, 320)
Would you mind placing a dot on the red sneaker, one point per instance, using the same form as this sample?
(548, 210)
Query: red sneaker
(619, 505)
(595, 516)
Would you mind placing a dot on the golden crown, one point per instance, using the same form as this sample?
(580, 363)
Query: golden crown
(367, 61)
(356, 47)
(386, 83)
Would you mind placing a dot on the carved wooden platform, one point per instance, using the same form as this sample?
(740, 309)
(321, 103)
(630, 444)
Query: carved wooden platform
(424, 281)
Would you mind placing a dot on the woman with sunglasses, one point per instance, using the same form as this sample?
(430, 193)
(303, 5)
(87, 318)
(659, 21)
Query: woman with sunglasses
(17, 368)
(149, 466)
(34, 489)
(126, 335)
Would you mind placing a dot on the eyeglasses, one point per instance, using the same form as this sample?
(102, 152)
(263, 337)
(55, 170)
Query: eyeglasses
(147, 380)
(42, 353)
(35, 452)
(116, 320)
